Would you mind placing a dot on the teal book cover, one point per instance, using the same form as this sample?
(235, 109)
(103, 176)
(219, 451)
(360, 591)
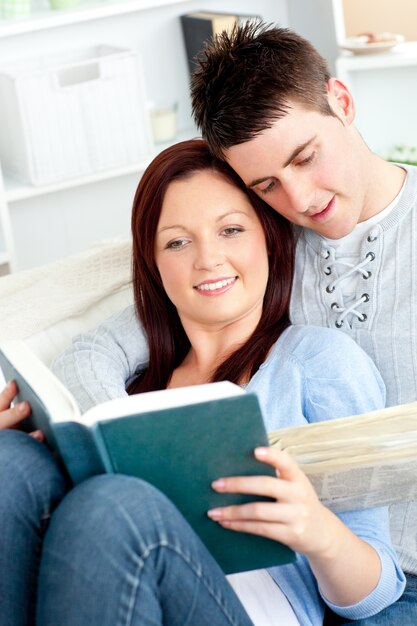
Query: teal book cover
(182, 450)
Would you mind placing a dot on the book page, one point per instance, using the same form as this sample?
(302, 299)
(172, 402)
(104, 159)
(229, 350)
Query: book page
(163, 399)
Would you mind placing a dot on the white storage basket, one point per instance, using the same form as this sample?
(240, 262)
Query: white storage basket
(72, 114)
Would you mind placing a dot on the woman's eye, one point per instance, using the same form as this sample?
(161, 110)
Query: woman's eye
(176, 245)
(232, 230)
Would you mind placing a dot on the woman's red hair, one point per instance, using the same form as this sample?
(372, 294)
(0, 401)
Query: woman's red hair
(168, 343)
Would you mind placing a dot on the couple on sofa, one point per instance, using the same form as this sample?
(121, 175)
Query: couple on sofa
(214, 269)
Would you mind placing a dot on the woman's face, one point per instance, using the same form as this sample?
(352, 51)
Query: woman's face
(211, 252)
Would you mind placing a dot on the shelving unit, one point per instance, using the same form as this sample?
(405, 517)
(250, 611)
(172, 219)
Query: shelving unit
(15, 191)
(15, 195)
(52, 211)
(41, 224)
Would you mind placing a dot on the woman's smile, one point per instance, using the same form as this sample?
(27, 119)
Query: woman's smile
(216, 287)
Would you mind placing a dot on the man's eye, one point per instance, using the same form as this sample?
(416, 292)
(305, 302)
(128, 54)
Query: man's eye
(307, 159)
(270, 187)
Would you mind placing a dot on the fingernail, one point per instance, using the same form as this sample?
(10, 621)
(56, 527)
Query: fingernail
(22, 407)
(261, 451)
(38, 435)
(214, 514)
(218, 484)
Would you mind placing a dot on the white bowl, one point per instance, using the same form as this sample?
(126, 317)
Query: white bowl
(361, 45)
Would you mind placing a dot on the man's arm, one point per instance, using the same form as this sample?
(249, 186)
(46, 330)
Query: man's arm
(99, 364)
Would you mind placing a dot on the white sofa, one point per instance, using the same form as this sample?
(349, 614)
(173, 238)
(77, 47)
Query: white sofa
(48, 305)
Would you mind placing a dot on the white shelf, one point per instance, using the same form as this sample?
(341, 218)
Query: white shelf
(91, 11)
(403, 55)
(16, 191)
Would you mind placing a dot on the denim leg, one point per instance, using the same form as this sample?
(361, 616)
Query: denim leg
(31, 485)
(118, 553)
(402, 612)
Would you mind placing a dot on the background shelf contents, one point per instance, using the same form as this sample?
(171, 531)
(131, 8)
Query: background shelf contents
(72, 114)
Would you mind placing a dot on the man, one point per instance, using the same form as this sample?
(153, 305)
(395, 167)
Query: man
(266, 103)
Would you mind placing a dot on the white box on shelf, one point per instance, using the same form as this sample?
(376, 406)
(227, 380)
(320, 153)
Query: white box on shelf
(72, 114)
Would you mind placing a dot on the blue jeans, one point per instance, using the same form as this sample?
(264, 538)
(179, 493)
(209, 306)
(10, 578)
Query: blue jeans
(31, 486)
(117, 552)
(403, 612)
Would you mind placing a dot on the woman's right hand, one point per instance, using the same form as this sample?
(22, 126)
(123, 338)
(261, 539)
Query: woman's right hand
(10, 417)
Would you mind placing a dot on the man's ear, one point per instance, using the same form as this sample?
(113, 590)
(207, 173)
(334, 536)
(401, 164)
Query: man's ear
(341, 101)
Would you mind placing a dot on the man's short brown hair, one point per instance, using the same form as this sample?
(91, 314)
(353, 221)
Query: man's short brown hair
(247, 79)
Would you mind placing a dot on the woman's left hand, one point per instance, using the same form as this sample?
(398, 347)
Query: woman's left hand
(295, 518)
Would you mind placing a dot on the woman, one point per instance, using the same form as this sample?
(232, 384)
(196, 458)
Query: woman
(212, 279)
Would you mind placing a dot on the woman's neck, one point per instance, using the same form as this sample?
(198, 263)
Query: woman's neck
(210, 346)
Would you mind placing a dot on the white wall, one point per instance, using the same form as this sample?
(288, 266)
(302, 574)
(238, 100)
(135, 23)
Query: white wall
(314, 20)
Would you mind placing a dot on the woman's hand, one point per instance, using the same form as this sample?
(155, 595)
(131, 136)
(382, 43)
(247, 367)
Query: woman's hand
(10, 417)
(296, 517)
(346, 568)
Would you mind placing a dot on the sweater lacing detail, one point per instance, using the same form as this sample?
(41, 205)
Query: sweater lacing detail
(350, 310)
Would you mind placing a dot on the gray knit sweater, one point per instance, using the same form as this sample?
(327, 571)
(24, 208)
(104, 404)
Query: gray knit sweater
(384, 320)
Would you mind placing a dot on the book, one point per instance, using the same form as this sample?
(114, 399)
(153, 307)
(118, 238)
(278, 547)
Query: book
(201, 26)
(179, 440)
(358, 462)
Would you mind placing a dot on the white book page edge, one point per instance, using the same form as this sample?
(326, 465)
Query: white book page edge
(162, 399)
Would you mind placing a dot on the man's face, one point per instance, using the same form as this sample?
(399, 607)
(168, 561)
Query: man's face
(308, 167)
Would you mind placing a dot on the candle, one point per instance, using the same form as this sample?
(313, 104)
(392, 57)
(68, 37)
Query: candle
(164, 122)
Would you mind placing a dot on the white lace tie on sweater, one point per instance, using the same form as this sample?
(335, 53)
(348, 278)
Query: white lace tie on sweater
(350, 307)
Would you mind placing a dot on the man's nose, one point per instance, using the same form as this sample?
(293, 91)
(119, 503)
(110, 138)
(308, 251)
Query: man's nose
(300, 197)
